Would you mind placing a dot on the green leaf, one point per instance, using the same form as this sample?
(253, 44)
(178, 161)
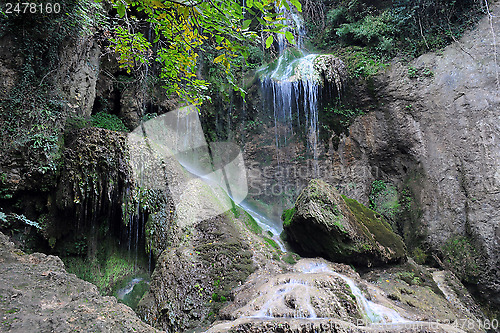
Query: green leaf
(249, 3)
(120, 8)
(269, 41)
(246, 24)
(285, 3)
(261, 21)
(289, 36)
(297, 5)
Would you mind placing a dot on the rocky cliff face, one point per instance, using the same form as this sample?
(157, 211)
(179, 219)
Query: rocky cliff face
(437, 129)
(431, 131)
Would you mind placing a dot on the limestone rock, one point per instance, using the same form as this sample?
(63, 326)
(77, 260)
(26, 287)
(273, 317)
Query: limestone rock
(324, 223)
(324, 326)
(38, 295)
(315, 295)
(192, 281)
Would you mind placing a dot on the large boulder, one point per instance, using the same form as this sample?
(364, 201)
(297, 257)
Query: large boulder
(324, 223)
(192, 281)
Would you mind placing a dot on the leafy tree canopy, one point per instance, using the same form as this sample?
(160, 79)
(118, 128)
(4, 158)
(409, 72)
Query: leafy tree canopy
(181, 29)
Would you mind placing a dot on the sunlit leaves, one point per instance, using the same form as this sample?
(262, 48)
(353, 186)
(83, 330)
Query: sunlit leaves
(132, 48)
(289, 37)
(183, 29)
(269, 41)
(246, 24)
(297, 5)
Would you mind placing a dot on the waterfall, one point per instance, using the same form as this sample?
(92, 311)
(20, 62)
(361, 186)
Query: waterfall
(297, 295)
(373, 312)
(291, 89)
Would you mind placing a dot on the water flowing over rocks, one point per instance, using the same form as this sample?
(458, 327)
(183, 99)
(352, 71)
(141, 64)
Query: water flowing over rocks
(324, 326)
(324, 223)
(437, 133)
(319, 296)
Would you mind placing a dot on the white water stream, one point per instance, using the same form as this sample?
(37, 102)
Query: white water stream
(291, 91)
(375, 313)
(372, 312)
(121, 293)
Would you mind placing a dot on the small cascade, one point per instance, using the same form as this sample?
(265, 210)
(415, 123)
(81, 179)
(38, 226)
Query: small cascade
(266, 224)
(375, 313)
(296, 295)
(132, 290)
(302, 308)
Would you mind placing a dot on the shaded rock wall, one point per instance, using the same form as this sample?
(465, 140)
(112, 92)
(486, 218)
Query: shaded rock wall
(441, 126)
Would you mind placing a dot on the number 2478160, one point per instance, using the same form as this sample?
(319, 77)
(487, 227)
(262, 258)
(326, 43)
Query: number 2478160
(31, 7)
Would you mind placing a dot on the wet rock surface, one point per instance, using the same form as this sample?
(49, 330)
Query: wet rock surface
(323, 325)
(315, 295)
(193, 280)
(322, 222)
(38, 295)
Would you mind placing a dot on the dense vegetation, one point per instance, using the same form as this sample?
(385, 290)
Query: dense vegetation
(32, 110)
(368, 32)
(177, 33)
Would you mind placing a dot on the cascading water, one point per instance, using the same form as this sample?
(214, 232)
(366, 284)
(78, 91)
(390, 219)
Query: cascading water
(291, 296)
(291, 88)
(375, 313)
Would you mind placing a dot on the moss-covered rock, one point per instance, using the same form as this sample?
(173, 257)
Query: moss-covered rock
(341, 229)
(193, 281)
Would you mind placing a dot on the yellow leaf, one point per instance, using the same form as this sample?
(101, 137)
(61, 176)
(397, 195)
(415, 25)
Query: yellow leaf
(220, 58)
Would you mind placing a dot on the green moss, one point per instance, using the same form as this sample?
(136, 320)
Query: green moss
(108, 121)
(376, 226)
(236, 268)
(252, 224)
(271, 242)
(463, 257)
(291, 258)
(287, 216)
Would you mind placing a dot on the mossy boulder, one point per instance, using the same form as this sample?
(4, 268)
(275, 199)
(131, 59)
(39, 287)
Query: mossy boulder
(324, 223)
(193, 281)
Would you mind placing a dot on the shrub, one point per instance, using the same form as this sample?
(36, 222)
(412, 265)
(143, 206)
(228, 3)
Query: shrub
(463, 258)
(384, 199)
(108, 121)
(420, 256)
(385, 29)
